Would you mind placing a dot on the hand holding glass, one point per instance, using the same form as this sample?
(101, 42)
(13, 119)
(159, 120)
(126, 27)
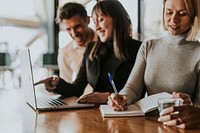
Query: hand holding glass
(168, 102)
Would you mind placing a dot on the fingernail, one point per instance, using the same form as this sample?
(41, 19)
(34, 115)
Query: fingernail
(161, 113)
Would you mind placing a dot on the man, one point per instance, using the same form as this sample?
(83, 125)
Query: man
(73, 17)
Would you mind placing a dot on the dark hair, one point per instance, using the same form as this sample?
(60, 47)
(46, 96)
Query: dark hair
(69, 10)
(122, 27)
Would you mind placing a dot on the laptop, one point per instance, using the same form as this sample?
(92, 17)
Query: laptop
(38, 99)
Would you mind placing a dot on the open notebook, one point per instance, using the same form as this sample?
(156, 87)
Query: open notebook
(141, 107)
(42, 101)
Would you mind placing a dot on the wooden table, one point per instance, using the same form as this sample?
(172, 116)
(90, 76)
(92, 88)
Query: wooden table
(17, 117)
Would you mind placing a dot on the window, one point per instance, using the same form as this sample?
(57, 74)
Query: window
(152, 19)
(20, 26)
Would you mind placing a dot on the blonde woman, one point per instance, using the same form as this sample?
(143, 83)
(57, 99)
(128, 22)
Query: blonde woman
(170, 63)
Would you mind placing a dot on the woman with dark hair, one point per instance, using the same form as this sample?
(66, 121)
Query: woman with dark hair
(114, 52)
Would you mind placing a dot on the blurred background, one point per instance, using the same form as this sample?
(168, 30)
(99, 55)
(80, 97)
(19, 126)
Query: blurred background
(31, 24)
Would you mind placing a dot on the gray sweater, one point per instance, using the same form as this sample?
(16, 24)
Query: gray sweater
(167, 64)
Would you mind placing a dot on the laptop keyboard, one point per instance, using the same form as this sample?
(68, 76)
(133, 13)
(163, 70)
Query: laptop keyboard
(50, 102)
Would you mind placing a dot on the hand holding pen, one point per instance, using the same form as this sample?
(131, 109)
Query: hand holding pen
(115, 101)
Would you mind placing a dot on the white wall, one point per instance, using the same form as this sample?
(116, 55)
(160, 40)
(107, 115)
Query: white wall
(131, 7)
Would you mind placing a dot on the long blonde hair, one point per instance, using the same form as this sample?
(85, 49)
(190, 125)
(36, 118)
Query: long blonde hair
(193, 8)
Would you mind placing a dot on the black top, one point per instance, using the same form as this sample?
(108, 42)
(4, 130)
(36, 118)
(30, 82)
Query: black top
(95, 72)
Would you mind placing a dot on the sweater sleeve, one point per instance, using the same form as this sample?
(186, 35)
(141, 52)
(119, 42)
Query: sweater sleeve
(197, 100)
(134, 87)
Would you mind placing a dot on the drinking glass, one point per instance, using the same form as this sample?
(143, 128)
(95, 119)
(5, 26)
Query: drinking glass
(168, 102)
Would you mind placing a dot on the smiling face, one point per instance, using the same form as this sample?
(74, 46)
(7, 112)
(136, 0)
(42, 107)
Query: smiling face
(104, 26)
(77, 28)
(176, 17)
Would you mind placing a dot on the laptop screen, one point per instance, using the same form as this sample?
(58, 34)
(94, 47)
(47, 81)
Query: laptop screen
(27, 77)
(33, 98)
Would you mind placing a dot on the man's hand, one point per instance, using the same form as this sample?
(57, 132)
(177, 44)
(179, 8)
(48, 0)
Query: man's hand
(50, 83)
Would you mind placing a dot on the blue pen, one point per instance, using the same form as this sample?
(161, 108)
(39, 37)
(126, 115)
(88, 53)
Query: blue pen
(112, 83)
(114, 87)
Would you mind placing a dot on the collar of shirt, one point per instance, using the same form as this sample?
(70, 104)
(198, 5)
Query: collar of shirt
(75, 46)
